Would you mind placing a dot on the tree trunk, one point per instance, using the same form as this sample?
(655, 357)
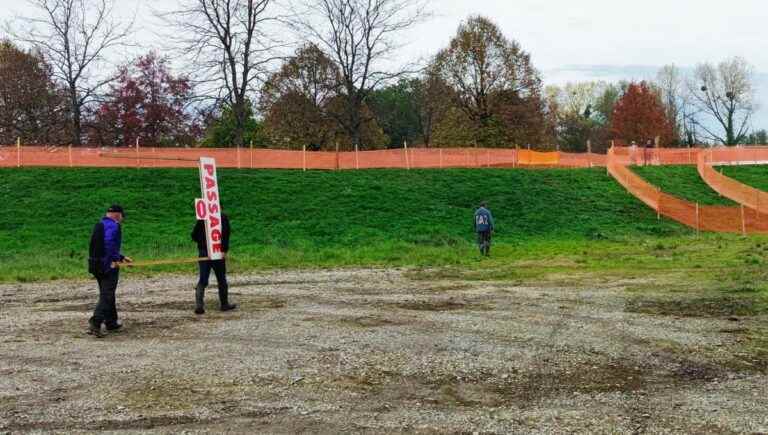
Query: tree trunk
(239, 124)
(76, 115)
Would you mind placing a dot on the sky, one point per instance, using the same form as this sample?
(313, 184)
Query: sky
(572, 40)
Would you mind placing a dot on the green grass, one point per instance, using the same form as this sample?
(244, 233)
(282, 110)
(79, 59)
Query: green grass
(683, 182)
(551, 223)
(755, 176)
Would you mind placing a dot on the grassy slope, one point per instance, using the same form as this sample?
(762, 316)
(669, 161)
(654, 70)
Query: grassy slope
(548, 220)
(288, 218)
(755, 176)
(683, 182)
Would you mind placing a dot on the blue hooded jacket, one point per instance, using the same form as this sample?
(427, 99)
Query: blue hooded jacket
(483, 220)
(113, 238)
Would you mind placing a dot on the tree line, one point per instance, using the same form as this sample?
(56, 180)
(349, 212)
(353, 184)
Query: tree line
(243, 82)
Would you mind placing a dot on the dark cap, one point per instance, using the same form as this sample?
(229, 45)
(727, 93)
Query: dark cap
(114, 208)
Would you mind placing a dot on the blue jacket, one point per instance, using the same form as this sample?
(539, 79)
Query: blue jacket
(483, 220)
(113, 239)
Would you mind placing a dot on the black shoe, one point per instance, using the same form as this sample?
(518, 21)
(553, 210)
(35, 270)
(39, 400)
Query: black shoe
(228, 307)
(199, 311)
(95, 330)
(114, 328)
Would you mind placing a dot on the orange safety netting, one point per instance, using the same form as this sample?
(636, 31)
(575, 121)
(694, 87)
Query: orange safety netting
(289, 159)
(728, 219)
(749, 196)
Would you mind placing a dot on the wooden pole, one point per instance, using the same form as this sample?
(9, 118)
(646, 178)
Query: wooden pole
(405, 150)
(658, 203)
(69, 151)
(138, 158)
(515, 162)
(488, 158)
(743, 222)
(304, 158)
(251, 155)
(238, 157)
(159, 262)
(357, 157)
(441, 157)
(18, 152)
(337, 156)
(698, 224)
(757, 201)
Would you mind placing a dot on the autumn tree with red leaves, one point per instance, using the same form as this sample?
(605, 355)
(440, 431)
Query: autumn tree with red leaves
(640, 116)
(146, 103)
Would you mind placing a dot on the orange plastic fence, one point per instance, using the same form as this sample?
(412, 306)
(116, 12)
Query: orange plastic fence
(727, 219)
(750, 197)
(258, 158)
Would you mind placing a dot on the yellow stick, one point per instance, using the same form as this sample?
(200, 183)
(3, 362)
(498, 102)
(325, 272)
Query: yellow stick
(159, 262)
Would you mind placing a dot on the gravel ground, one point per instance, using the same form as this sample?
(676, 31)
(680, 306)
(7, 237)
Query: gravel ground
(371, 351)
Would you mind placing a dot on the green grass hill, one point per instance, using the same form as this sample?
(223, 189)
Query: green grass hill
(310, 219)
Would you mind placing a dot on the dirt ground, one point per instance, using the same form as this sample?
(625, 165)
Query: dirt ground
(376, 351)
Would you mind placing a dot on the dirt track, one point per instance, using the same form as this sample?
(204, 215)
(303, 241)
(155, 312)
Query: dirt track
(373, 351)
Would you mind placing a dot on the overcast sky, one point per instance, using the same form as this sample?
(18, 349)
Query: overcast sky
(576, 40)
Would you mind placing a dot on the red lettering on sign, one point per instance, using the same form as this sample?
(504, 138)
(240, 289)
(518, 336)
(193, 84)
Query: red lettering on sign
(214, 221)
(217, 247)
(209, 169)
(201, 212)
(210, 183)
(213, 208)
(212, 195)
(215, 235)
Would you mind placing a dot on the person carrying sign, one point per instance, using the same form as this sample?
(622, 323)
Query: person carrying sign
(219, 266)
(103, 263)
(484, 227)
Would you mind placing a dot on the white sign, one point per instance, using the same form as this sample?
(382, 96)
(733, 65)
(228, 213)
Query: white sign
(209, 185)
(201, 209)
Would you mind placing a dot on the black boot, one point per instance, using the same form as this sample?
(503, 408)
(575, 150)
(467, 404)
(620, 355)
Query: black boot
(224, 299)
(200, 300)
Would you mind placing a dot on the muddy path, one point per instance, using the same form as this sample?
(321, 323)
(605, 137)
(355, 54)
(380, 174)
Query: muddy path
(374, 351)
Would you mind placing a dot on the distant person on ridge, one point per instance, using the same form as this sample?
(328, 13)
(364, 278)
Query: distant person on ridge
(484, 228)
(219, 267)
(104, 264)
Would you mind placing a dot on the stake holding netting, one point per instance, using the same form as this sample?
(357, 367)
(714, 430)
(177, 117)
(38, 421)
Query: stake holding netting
(405, 150)
(357, 157)
(743, 222)
(138, 156)
(18, 152)
(303, 157)
(69, 151)
(238, 157)
(698, 224)
(251, 155)
(658, 203)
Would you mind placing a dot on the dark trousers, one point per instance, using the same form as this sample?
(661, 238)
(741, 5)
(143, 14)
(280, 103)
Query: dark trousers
(484, 242)
(220, 269)
(106, 308)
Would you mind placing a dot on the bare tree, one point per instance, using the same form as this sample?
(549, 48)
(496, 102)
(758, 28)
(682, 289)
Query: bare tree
(726, 93)
(74, 36)
(361, 38)
(677, 100)
(229, 47)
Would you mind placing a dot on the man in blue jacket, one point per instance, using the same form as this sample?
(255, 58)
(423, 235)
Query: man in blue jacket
(103, 263)
(484, 228)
